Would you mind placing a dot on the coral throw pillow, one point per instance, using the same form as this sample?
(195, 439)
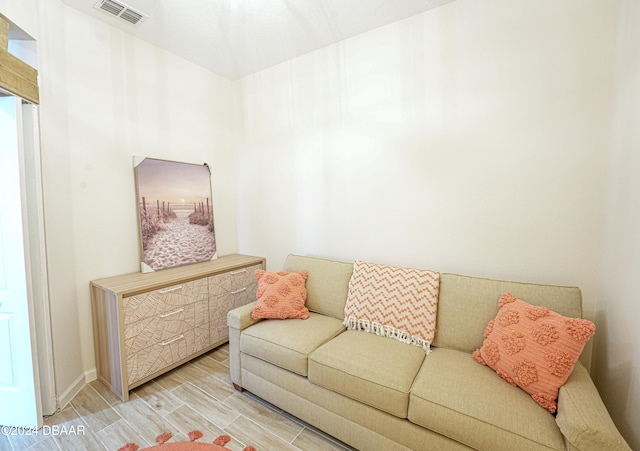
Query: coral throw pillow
(281, 295)
(533, 347)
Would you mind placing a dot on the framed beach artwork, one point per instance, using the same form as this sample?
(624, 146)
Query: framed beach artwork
(175, 213)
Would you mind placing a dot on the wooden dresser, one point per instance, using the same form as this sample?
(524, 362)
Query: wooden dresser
(147, 324)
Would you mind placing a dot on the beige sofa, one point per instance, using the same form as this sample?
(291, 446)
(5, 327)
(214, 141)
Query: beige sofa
(377, 393)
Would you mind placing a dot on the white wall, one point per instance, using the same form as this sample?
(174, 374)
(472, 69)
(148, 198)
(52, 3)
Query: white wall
(22, 13)
(616, 352)
(107, 96)
(471, 138)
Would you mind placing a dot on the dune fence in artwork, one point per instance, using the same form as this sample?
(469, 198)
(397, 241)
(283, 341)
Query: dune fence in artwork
(175, 213)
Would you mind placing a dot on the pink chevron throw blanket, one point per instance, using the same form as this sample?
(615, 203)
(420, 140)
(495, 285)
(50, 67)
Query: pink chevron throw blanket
(394, 302)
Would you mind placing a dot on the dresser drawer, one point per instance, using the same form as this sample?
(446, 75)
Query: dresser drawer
(231, 290)
(220, 305)
(163, 300)
(220, 284)
(232, 281)
(148, 331)
(201, 337)
(218, 331)
(240, 298)
(159, 356)
(244, 278)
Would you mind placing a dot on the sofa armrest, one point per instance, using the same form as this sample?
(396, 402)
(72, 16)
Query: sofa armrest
(238, 319)
(583, 418)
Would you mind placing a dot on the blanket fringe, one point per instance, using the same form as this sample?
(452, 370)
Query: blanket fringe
(352, 323)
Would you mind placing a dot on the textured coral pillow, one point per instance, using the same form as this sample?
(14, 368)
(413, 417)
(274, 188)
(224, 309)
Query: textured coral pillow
(281, 295)
(533, 347)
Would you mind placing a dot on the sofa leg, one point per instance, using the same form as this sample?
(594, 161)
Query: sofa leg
(237, 387)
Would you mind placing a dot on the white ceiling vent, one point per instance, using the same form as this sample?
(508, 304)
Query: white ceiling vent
(121, 11)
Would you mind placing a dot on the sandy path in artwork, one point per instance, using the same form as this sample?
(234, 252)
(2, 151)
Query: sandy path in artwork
(179, 244)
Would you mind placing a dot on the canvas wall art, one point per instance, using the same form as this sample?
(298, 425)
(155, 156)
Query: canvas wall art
(175, 213)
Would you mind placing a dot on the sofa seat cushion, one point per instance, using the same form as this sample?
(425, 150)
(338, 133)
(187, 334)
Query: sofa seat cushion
(375, 370)
(287, 343)
(458, 398)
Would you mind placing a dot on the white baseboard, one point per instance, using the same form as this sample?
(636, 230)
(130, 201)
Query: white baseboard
(75, 387)
(90, 376)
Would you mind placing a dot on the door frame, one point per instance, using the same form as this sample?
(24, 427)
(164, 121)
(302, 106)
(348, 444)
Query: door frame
(29, 147)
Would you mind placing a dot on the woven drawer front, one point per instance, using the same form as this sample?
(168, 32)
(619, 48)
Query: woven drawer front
(244, 288)
(230, 290)
(232, 281)
(201, 337)
(244, 278)
(163, 300)
(220, 284)
(159, 328)
(241, 297)
(159, 356)
(218, 331)
(221, 304)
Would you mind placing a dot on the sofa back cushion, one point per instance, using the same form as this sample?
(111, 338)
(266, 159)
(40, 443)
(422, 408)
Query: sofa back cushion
(327, 284)
(467, 304)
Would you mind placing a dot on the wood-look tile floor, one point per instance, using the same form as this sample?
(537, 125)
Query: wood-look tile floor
(197, 395)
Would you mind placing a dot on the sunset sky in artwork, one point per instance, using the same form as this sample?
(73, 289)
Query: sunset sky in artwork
(180, 184)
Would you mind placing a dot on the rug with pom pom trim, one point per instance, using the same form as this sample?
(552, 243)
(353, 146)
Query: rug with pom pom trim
(192, 445)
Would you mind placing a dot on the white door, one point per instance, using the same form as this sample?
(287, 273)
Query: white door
(19, 390)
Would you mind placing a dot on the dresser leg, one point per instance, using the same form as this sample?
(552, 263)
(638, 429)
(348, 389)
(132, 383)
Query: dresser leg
(237, 387)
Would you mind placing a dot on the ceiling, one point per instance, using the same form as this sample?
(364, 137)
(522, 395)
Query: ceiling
(234, 38)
